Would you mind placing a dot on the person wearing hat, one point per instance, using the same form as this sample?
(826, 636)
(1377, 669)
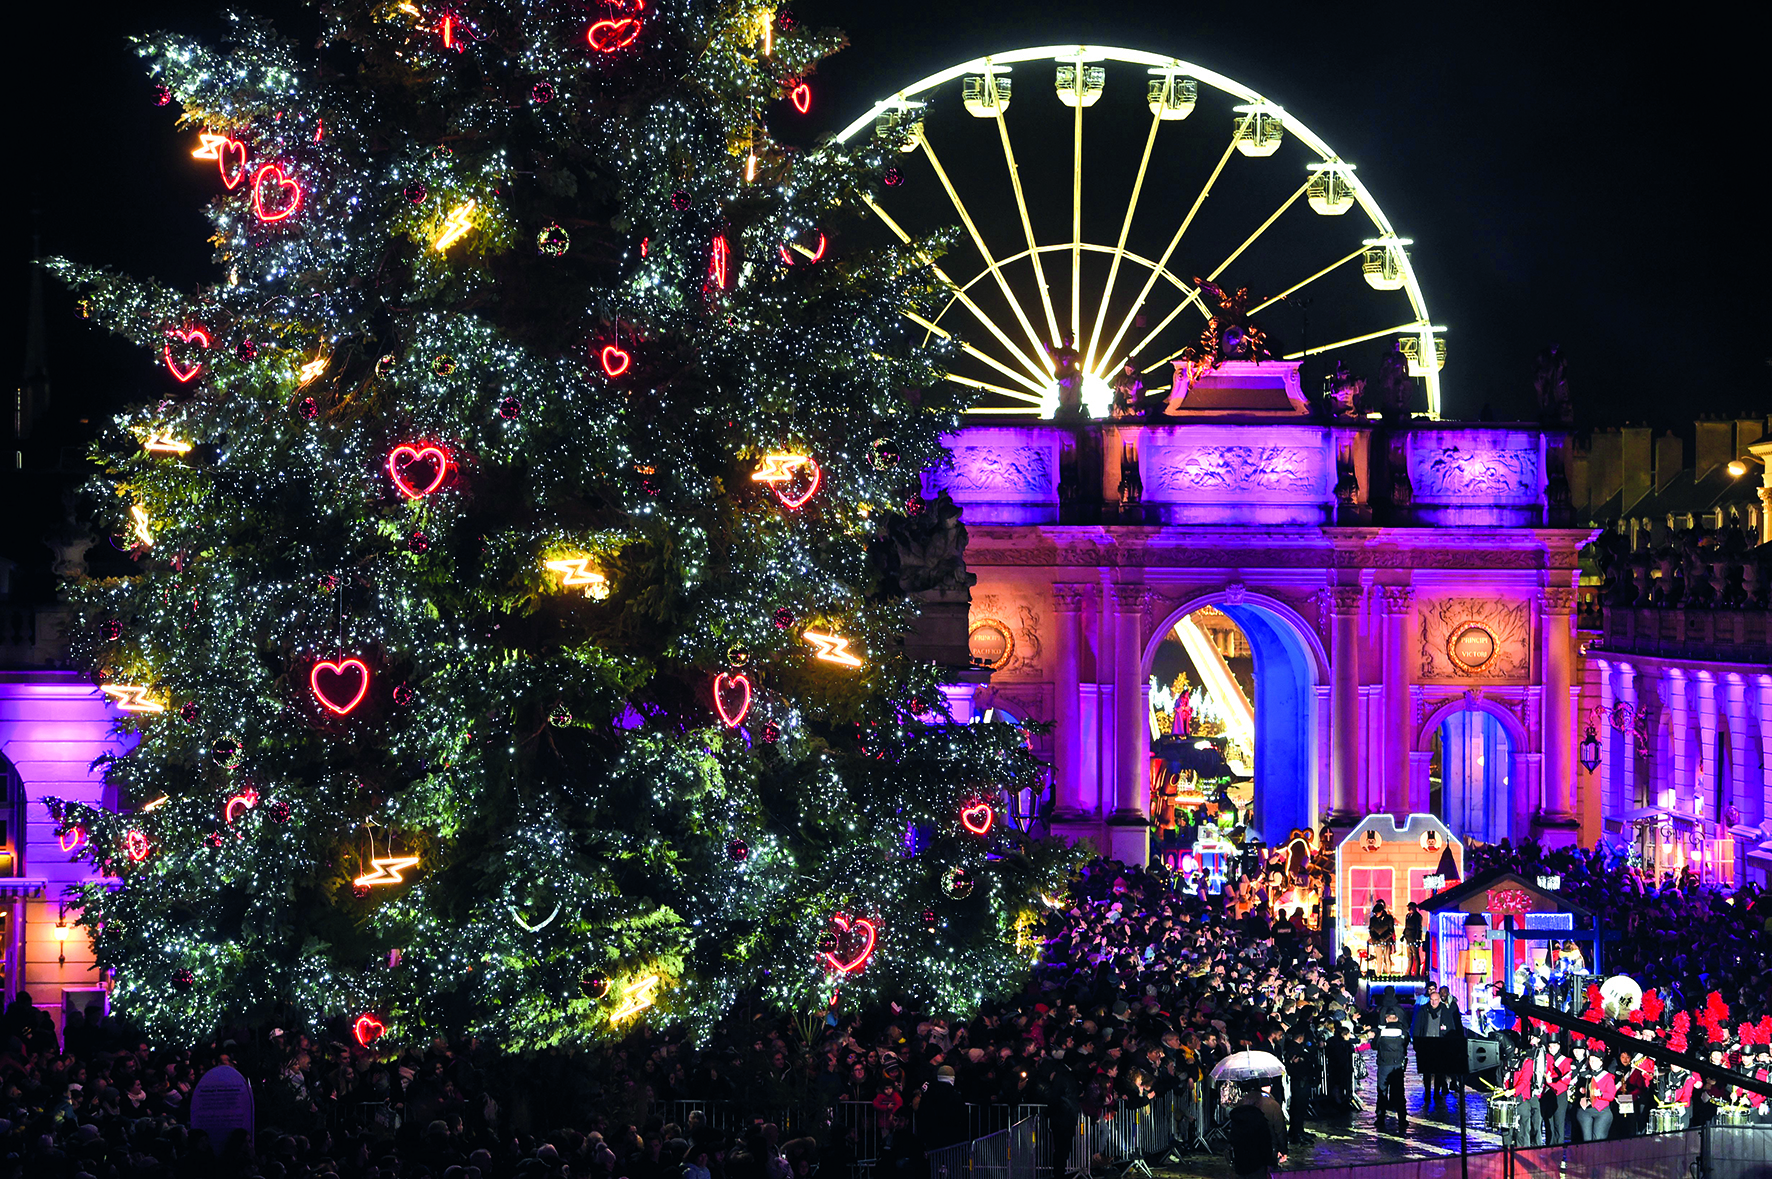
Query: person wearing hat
(1596, 1089)
(941, 1117)
(1390, 1044)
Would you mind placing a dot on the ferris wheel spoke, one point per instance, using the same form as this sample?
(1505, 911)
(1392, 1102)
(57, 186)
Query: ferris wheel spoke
(1412, 326)
(1163, 262)
(1107, 292)
(990, 260)
(1004, 390)
(1021, 205)
(972, 351)
(1259, 230)
(1077, 212)
(959, 293)
(1194, 297)
(1299, 286)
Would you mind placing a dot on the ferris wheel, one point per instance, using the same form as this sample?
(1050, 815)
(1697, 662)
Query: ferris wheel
(1067, 245)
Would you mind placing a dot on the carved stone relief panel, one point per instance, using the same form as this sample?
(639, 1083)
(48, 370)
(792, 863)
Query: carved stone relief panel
(1474, 467)
(1179, 472)
(1476, 638)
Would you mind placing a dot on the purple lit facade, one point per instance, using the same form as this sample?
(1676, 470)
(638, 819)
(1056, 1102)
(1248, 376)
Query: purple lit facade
(1091, 541)
(53, 724)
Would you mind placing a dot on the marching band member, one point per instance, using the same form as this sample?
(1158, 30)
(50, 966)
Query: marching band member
(1528, 1085)
(1559, 1075)
(1598, 1089)
(1639, 1088)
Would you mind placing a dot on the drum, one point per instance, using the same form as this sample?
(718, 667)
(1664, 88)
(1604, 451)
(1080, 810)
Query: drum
(1665, 1119)
(1504, 1113)
(1734, 1115)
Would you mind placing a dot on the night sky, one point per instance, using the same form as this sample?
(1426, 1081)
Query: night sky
(1564, 178)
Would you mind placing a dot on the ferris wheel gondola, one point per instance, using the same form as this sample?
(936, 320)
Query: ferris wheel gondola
(1015, 311)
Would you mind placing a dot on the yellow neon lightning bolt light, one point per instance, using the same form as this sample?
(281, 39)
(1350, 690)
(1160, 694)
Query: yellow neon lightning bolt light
(132, 698)
(456, 225)
(575, 572)
(831, 648)
(387, 871)
(779, 468)
(139, 515)
(212, 145)
(636, 998)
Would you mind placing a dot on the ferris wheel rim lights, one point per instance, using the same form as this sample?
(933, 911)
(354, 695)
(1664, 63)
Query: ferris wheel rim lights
(909, 103)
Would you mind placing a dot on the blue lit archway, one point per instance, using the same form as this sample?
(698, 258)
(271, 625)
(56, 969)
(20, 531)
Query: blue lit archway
(1289, 663)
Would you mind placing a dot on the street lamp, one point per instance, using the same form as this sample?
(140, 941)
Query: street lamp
(1590, 750)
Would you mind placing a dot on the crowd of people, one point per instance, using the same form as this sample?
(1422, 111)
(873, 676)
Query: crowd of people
(1143, 987)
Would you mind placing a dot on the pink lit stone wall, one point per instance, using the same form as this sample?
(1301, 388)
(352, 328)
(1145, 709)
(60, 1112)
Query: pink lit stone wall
(53, 724)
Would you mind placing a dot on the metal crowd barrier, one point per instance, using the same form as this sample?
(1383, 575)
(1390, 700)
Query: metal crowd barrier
(1711, 1152)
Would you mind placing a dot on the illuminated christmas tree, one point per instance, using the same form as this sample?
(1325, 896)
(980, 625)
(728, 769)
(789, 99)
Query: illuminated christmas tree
(514, 637)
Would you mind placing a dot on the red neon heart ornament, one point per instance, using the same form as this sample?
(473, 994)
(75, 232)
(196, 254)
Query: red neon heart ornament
(196, 335)
(367, 1029)
(978, 817)
(856, 961)
(330, 682)
(72, 838)
(802, 97)
(614, 360)
(791, 498)
(230, 157)
(732, 698)
(406, 456)
(274, 195)
(607, 36)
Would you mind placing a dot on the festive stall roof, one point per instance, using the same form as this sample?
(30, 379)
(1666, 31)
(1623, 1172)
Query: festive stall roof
(1476, 895)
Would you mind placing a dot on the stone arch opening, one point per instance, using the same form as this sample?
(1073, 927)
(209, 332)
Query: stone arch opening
(1284, 664)
(1477, 771)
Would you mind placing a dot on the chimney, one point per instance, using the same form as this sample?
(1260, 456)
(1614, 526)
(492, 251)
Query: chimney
(1670, 458)
(1605, 449)
(1715, 445)
(1747, 432)
(1634, 463)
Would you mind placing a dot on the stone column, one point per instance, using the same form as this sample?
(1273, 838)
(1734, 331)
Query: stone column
(1677, 699)
(1399, 721)
(1762, 781)
(1344, 703)
(1559, 822)
(1067, 655)
(1608, 748)
(1129, 824)
(1706, 762)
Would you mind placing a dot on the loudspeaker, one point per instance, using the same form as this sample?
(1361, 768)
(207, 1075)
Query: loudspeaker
(1481, 1054)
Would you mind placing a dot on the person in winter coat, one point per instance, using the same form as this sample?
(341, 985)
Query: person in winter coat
(1390, 1044)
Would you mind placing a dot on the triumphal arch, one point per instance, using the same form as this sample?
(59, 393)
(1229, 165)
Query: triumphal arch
(1209, 550)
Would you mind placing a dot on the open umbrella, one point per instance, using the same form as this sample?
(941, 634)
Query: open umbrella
(1245, 1066)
